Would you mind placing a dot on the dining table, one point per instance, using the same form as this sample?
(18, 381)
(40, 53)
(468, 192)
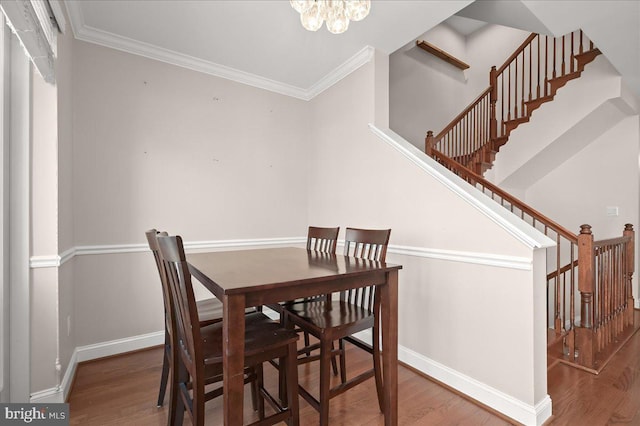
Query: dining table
(255, 277)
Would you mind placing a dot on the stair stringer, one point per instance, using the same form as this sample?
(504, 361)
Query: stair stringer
(581, 112)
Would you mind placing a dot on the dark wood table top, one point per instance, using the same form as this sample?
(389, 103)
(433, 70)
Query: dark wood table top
(262, 270)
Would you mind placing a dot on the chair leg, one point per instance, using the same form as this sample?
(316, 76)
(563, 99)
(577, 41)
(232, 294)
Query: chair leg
(260, 382)
(377, 364)
(255, 391)
(174, 392)
(291, 382)
(181, 376)
(343, 362)
(325, 380)
(334, 364)
(164, 377)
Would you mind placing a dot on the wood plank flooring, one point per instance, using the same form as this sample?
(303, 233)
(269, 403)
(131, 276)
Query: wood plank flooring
(122, 390)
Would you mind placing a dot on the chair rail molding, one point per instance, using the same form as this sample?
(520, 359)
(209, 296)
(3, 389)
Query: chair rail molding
(487, 259)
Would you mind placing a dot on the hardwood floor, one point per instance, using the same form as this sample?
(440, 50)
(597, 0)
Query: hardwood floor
(122, 390)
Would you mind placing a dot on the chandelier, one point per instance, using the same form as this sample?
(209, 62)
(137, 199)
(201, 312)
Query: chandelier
(337, 13)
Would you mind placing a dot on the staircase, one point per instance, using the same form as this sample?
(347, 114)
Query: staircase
(530, 77)
(589, 290)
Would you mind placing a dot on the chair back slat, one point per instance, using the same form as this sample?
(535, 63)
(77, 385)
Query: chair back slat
(366, 244)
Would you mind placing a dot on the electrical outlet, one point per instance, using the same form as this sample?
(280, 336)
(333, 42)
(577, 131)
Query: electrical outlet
(612, 211)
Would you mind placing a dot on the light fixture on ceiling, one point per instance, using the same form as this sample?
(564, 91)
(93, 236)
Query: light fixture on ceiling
(337, 13)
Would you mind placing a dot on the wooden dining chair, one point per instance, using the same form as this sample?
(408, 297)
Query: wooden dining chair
(209, 312)
(331, 320)
(198, 350)
(322, 240)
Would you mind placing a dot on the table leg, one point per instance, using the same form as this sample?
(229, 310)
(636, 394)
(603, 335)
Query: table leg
(233, 359)
(389, 320)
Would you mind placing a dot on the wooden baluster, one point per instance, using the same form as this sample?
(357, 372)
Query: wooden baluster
(563, 49)
(509, 93)
(558, 323)
(515, 89)
(586, 277)
(546, 64)
(522, 111)
(571, 338)
(553, 72)
(502, 107)
(581, 37)
(531, 68)
(629, 270)
(493, 98)
(571, 65)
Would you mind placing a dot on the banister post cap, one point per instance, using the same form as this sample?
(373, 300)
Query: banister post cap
(429, 133)
(628, 227)
(585, 229)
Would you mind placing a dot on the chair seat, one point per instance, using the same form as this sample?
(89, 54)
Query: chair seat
(339, 316)
(261, 335)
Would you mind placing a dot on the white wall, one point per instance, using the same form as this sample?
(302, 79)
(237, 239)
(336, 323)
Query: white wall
(426, 93)
(157, 146)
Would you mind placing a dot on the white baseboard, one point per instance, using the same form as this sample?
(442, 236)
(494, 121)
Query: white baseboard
(115, 347)
(499, 401)
(89, 352)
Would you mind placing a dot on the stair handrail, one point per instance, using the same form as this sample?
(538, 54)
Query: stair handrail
(475, 179)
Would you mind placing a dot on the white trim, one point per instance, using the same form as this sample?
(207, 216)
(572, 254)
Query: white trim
(488, 259)
(30, 30)
(19, 225)
(90, 34)
(506, 404)
(523, 232)
(61, 393)
(356, 61)
(119, 346)
(90, 352)
(58, 14)
(497, 260)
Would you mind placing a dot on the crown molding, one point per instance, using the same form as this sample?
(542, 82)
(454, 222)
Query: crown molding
(84, 32)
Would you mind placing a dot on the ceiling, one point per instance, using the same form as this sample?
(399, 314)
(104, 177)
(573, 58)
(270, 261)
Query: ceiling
(261, 42)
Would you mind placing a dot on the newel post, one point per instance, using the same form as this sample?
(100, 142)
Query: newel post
(586, 283)
(630, 269)
(493, 98)
(428, 143)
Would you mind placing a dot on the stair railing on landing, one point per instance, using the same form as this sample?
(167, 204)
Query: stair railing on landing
(600, 271)
(528, 78)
